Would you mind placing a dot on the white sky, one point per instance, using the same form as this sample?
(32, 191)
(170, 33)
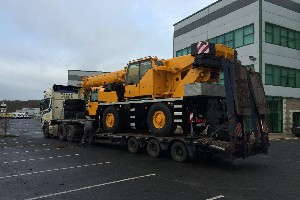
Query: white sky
(41, 39)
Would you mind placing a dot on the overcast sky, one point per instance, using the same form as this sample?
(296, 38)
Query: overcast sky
(40, 40)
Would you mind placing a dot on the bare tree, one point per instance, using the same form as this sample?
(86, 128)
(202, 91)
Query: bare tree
(5, 123)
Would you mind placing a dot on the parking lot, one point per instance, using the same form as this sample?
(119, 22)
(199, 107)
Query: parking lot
(33, 167)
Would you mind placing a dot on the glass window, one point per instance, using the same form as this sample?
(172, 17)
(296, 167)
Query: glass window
(178, 53)
(284, 75)
(284, 34)
(144, 66)
(229, 39)
(189, 50)
(298, 78)
(269, 75)
(298, 40)
(275, 117)
(238, 38)
(94, 96)
(184, 51)
(291, 39)
(132, 74)
(220, 39)
(291, 78)
(276, 36)
(269, 33)
(276, 73)
(248, 35)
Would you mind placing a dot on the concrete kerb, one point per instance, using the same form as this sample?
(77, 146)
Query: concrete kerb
(282, 136)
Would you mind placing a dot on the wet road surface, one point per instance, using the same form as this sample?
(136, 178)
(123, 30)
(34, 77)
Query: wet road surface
(33, 167)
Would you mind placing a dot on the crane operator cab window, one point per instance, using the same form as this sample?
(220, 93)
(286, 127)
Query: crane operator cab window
(136, 71)
(94, 96)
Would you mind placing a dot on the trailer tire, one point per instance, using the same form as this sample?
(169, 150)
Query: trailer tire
(70, 133)
(160, 120)
(179, 152)
(153, 148)
(46, 131)
(110, 120)
(133, 145)
(62, 133)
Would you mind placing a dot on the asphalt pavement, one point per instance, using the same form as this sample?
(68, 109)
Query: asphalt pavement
(33, 167)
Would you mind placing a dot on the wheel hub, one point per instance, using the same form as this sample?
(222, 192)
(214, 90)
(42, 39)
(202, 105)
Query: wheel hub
(159, 119)
(110, 120)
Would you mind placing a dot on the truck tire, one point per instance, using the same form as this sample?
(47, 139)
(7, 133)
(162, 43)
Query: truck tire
(160, 120)
(110, 120)
(46, 131)
(62, 133)
(70, 133)
(153, 148)
(133, 145)
(179, 152)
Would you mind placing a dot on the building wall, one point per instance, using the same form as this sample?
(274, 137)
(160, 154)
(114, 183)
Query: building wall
(279, 55)
(75, 76)
(228, 15)
(247, 13)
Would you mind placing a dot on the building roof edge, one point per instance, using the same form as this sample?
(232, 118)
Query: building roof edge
(197, 12)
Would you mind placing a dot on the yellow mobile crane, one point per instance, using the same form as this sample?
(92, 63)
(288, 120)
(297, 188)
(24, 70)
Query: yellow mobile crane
(95, 86)
(143, 104)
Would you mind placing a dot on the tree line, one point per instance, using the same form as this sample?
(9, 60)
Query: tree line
(14, 105)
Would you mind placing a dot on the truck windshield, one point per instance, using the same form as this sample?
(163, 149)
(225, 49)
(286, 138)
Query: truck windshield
(45, 104)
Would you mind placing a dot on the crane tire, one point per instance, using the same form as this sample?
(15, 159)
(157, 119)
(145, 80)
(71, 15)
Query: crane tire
(160, 120)
(110, 120)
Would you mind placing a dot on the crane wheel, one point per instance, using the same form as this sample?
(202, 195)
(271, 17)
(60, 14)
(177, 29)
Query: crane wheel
(133, 145)
(62, 133)
(160, 120)
(179, 152)
(110, 120)
(153, 148)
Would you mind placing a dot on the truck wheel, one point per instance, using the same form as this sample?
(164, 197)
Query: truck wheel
(70, 133)
(62, 132)
(160, 120)
(179, 152)
(133, 145)
(110, 120)
(153, 148)
(46, 131)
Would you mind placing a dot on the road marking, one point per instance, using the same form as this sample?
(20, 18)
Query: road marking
(36, 150)
(42, 158)
(49, 170)
(217, 197)
(92, 186)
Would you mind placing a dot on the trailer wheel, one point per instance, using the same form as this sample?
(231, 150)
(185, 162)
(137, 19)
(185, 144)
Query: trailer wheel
(133, 145)
(179, 152)
(153, 148)
(70, 133)
(160, 120)
(110, 120)
(46, 131)
(62, 132)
